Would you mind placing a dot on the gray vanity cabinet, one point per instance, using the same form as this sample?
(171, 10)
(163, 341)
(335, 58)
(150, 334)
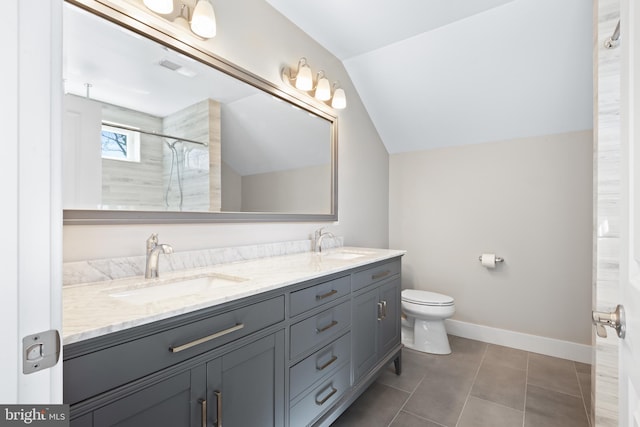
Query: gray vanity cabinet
(291, 357)
(376, 316)
(245, 387)
(176, 401)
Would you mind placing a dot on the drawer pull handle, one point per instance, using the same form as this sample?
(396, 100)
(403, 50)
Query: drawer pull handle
(327, 295)
(182, 347)
(380, 275)
(203, 404)
(329, 326)
(218, 408)
(326, 365)
(328, 396)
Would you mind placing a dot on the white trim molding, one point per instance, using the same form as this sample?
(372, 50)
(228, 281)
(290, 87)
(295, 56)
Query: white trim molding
(533, 343)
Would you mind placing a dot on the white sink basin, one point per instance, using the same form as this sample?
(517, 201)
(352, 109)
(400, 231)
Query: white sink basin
(342, 255)
(346, 254)
(154, 292)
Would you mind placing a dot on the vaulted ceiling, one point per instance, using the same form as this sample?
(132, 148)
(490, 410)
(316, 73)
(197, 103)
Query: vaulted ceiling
(436, 73)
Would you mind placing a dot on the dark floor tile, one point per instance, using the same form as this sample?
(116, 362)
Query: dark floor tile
(376, 407)
(500, 384)
(547, 408)
(506, 356)
(413, 370)
(585, 387)
(405, 419)
(466, 349)
(553, 374)
(441, 395)
(481, 413)
(582, 368)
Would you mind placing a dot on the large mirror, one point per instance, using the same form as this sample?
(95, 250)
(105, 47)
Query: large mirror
(156, 132)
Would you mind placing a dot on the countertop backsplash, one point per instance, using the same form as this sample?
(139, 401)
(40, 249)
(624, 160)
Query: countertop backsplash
(118, 268)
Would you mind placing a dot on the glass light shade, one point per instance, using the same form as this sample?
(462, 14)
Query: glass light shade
(304, 78)
(339, 100)
(163, 7)
(203, 21)
(323, 89)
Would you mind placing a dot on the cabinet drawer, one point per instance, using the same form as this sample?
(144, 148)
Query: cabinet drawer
(96, 372)
(372, 275)
(322, 293)
(322, 327)
(320, 364)
(320, 398)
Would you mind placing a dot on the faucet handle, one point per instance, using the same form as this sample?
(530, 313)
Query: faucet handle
(152, 241)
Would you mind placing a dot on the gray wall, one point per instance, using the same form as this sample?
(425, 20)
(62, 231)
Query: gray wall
(303, 190)
(254, 36)
(527, 200)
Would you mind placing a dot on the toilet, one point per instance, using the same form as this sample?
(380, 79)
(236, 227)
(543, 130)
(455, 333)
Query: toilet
(423, 328)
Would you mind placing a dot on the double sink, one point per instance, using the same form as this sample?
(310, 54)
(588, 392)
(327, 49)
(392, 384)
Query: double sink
(157, 290)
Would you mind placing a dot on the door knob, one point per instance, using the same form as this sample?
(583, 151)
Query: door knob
(613, 319)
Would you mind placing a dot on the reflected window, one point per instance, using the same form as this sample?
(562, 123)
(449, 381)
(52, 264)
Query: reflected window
(120, 144)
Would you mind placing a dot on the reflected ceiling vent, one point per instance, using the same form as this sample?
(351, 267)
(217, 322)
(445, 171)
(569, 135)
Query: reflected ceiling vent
(170, 65)
(177, 68)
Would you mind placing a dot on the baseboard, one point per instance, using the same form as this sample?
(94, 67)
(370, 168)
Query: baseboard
(533, 343)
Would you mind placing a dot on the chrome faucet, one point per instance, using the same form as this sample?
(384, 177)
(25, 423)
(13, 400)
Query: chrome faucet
(319, 236)
(153, 253)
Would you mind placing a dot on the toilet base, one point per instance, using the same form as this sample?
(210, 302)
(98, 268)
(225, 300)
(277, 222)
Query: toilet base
(428, 336)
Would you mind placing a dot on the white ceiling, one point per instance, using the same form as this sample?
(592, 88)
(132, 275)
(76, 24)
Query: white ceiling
(434, 73)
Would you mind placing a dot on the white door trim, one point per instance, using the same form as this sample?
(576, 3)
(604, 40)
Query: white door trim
(32, 228)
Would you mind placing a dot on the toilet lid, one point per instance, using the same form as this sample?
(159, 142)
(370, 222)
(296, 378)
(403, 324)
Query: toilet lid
(425, 297)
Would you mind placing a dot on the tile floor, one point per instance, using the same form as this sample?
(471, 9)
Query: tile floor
(478, 385)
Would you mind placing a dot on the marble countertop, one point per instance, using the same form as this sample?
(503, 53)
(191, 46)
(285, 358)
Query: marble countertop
(94, 309)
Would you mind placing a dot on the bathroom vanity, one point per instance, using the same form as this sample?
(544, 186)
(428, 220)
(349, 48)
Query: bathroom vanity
(280, 341)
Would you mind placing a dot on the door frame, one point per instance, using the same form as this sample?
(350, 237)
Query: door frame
(31, 170)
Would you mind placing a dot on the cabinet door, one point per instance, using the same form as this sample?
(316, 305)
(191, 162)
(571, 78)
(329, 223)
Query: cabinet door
(246, 386)
(173, 402)
(365, 332)
(389, 326)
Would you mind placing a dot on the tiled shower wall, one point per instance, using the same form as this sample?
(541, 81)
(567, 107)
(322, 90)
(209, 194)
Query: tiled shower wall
(200, 166)
(607, 176)
(136, 184)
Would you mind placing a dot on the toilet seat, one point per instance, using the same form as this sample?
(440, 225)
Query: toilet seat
(426, 298)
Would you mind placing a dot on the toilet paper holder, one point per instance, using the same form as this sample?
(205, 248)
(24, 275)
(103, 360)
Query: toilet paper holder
(498, 259)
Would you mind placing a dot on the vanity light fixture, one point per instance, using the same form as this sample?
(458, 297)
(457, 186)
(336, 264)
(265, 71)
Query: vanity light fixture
(163, 7)
(303, 80)
(202, 22)
(339, 100)
(323, 87)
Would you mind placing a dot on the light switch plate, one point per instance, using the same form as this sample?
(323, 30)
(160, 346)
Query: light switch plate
(40, 351)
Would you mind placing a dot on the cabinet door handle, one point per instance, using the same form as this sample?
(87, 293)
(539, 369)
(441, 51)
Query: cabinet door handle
(384, 309)
(380, 275)
(328, 396)
(218, 408)
(380, 311)
(326, 365)
(329, 326)
(203, 409)
(327, 295)
(182, 347)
